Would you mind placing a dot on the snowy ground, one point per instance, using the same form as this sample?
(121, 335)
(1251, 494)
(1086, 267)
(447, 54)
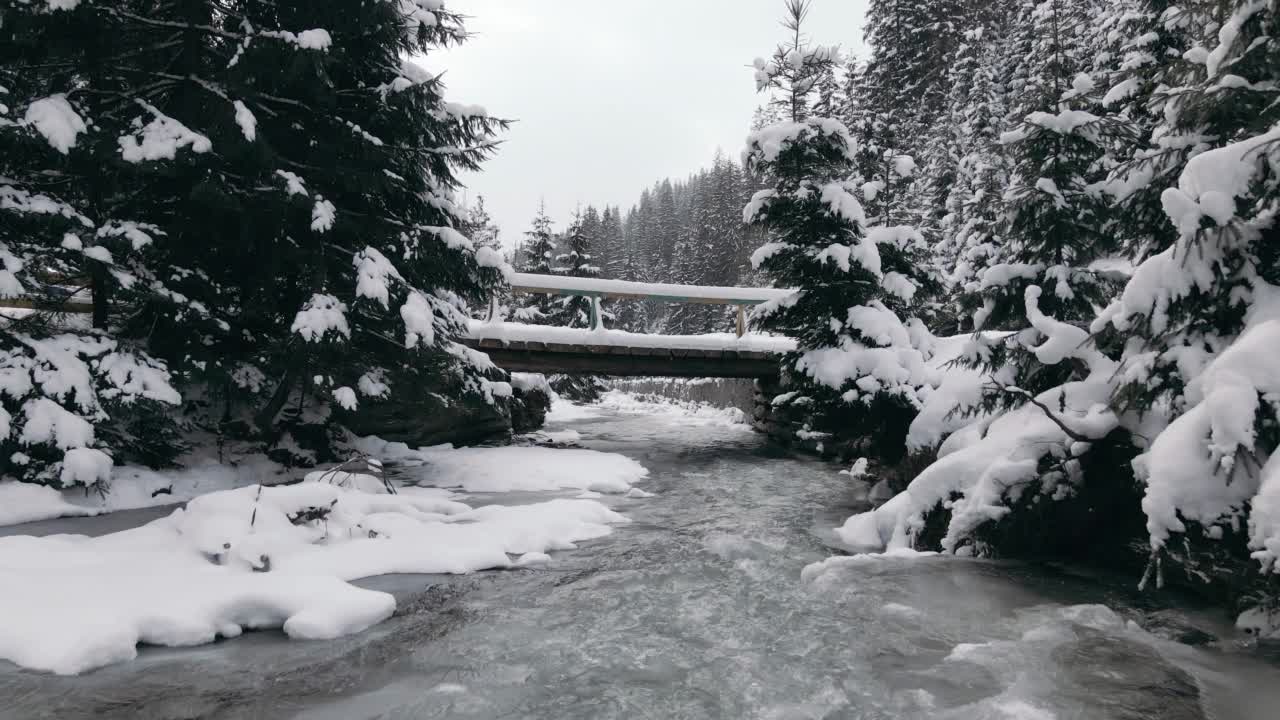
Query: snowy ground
(255, 556)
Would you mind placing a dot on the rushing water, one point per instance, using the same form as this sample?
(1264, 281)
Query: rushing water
(697, 609)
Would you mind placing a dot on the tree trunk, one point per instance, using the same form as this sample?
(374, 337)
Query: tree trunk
(100, 280)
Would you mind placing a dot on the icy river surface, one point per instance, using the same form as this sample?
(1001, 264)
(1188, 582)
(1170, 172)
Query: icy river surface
(702, 607)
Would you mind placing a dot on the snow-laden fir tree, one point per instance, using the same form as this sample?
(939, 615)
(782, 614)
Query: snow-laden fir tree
(276, 279)
(1142, 69)
(1202, 316)
(480, 228)
(969, 232)
(358, 277)
(858, 368)
(75, 399)
(573, 310)
(537, 255)
(901, 95)
(1054, 224)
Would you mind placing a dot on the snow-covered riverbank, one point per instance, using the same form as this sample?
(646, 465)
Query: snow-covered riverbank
(254, 556)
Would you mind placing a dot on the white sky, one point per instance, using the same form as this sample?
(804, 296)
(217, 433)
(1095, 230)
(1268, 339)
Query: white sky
(611, 95)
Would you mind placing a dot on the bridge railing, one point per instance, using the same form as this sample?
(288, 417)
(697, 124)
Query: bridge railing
(597, 289)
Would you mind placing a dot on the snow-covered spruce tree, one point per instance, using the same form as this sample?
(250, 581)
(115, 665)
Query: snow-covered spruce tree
(1202, 316)
(1141, 68)
(572, 310)
(575, 311)
(480, 228)
(613, 244)
(967, 233)
(75, 399)
(858, 369)
(901, 99)
(538, 257)
(279, 273)
(1054, 223)
(911, 45)
(356, 278)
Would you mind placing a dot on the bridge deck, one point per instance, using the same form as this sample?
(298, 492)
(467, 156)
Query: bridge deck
(620, 360)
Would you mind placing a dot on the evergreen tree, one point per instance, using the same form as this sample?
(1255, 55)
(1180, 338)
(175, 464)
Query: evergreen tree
(261, 271)
(613, 248)
(573, 310)
(480, 228)
(74, 401)
(840, 315)
(1055, 220)
(903, 86)
(539, 258)
(969, 231)
(1201, 317)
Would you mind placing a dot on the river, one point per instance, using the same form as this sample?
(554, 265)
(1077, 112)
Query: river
(697, 609)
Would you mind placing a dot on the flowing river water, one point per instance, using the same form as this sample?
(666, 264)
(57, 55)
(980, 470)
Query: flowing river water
(698, 609)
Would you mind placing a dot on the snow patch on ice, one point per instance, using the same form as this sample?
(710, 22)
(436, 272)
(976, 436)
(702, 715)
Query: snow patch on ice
(256, 557)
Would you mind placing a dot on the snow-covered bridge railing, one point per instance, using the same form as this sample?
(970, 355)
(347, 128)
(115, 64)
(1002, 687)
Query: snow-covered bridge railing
(536, 348)
(597, 289)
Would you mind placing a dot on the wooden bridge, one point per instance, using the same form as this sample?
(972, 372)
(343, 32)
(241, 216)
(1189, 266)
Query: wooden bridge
(597, 351)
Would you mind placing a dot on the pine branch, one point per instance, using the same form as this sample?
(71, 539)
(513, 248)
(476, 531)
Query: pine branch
(1048, 412)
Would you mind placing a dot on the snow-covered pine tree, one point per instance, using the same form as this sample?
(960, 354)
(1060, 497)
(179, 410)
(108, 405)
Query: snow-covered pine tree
(613, 245)
(358, 277)
(857, 369)
(1143, 63)
(276, 273)
(538, 251)
(575, 311)
(969, 237)
(480, 228)
(75, 398)
(688, 262)
(1202, 316)
(731, 250)
(911, 46)
(901, 95)
(1055, 219)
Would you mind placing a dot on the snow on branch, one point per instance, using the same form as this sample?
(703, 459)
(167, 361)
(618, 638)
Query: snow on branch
(322, 315)
(55, 119)
(160, 139)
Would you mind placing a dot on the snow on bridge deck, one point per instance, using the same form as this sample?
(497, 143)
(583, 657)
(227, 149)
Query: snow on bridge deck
(600, 287)
(539, 348)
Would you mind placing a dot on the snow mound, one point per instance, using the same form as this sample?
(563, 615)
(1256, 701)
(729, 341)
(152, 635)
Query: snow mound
(508, 469)
(24, 502)
(256, 557)
(514, 469)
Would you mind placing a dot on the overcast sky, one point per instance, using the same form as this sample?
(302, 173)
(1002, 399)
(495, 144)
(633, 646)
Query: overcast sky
(612, 95)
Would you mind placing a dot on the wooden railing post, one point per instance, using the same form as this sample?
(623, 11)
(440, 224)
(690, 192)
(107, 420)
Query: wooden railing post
(742, 320)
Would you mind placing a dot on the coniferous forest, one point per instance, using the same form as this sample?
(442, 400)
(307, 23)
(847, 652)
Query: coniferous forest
(1024, 255)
